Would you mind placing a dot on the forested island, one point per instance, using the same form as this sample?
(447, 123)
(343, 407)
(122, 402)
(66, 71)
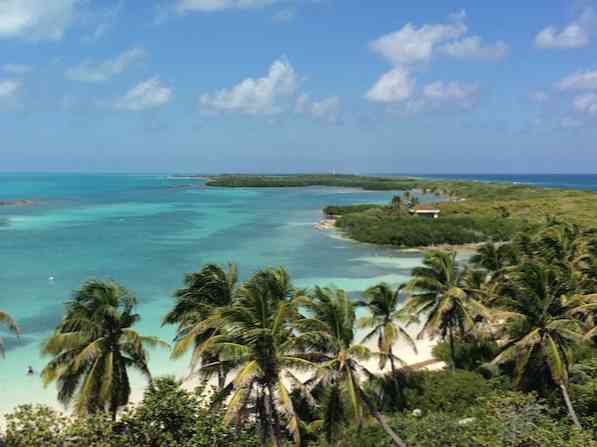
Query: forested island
(471, 212)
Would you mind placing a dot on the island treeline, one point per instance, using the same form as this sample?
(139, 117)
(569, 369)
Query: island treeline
(278, 365)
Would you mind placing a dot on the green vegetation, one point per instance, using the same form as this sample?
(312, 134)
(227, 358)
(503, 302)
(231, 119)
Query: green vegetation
(294, 181)
(93, 347)
(11, 325)
(377, 226)
(519, 324)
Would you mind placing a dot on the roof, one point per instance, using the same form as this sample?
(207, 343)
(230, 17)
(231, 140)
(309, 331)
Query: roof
(426, 209)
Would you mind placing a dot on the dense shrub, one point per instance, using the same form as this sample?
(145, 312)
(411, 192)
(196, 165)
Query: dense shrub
(379, 227)
(168, 416)
(500, 420)
(469, 355)
(444, 391)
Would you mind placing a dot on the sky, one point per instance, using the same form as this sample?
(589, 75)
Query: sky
(377, 86)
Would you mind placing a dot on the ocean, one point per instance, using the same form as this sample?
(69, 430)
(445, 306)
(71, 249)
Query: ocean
(146, 231)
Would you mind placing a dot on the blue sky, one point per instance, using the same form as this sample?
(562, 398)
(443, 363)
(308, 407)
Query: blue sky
(291, 86)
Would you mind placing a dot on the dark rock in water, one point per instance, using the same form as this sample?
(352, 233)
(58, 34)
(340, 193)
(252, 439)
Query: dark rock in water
(16, 202)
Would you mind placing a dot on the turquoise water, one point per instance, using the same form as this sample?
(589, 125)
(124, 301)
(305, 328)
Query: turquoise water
(146, 232)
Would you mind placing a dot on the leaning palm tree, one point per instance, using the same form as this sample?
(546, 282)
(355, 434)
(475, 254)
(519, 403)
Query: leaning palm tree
(327, 333)
(383, 304)
(11, 325)
(93, 348)
(439, 292)
(203, 295)
(540, 326)
(255, 335)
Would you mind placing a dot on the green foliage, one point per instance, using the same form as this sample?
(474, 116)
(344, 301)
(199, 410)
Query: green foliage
(443, 391)
(338, 210)
(168, 417)
(505, 420)
(379, 227)
(470, 355)
(292, 181)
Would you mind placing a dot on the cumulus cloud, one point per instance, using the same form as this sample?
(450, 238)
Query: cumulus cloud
(586, 103)
(17, 69)
(262, 96)
(472, 48)
(219, 5)
(411, 45)
(36, 19)
(148, 94)
(326, 110)
(574, 35)
(454, 92)
(9, 88)
(394, 86)
(101, 71)
(581, 80)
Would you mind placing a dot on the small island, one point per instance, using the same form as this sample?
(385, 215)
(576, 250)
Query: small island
(467, 212)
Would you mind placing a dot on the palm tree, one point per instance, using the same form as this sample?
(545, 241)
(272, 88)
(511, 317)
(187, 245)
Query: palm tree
(11, 325)
(203, 295)
(327, 332)
(383, 304)
(439, 292)
(396, 203)
(540, 328)
(93, 348)
(255, 335)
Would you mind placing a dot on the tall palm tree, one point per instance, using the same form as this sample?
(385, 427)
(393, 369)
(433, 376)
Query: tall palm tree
(11, 325)
(93, 348)
(383, 304)
(203, 295)
(439, 293)
(540, 328)
(255, 335)
(327, 332)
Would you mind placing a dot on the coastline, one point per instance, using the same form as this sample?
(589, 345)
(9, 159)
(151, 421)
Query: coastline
(328, 224)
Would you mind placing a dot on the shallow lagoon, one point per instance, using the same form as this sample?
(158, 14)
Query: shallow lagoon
(146, 232)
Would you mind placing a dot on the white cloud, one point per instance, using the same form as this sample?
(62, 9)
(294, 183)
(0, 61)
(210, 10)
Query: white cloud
(36, 19)
(412, 45)
(262, 96)
(145, 95)
(394, 86)
(92, 71)
(9, 88)
(581, 80)
(574, 35)
(17, 69)
(326, 110)
(539, 96)
(472, 48)
(454, 92)
(586, 103)
(219, 5)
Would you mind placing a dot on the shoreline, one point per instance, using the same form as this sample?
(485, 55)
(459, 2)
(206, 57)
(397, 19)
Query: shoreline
(328, 224)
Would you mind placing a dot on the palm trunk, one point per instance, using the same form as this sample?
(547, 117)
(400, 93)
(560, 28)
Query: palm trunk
(396, 440)
(571, 411)
(274, 415)
(269, 414)
(452, 353)
(392, 364)
(263, 418)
